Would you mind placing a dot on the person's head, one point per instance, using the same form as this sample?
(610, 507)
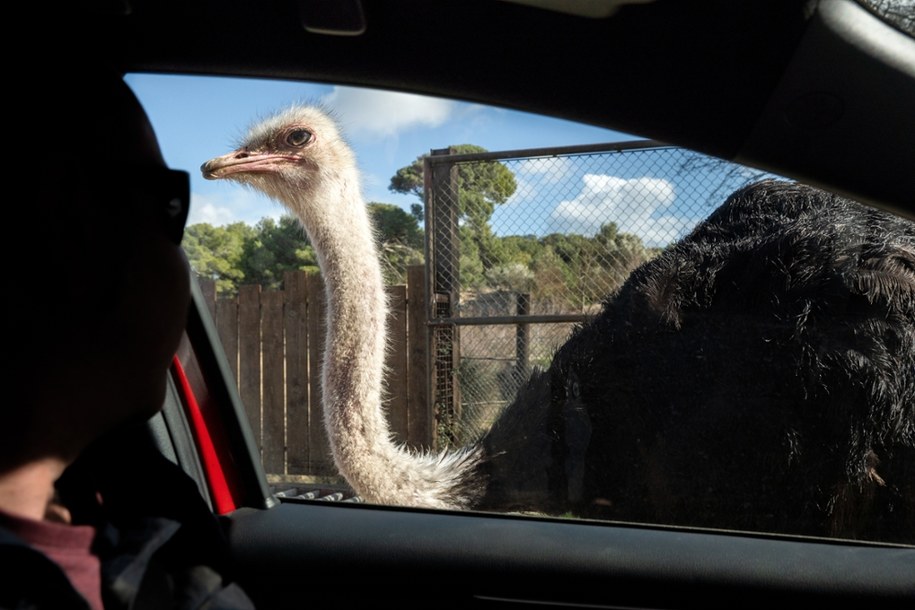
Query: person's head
(102, 285)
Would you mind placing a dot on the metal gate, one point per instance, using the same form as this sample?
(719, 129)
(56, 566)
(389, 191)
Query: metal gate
(521, 245)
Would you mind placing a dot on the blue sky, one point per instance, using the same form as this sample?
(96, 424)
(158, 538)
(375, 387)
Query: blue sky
(197, 118)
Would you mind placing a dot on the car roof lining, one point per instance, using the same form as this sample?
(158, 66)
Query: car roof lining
(683, 86)
(643, 70)
(809, 123)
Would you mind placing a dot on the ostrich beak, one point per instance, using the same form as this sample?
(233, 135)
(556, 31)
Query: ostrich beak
(244, 161)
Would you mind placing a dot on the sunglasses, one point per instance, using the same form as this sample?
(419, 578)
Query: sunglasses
(171, 191)
(165, 193)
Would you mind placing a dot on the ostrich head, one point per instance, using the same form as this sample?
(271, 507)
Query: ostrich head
(294, 156)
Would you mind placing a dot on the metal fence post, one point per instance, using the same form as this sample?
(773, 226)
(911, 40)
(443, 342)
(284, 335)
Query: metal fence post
(443, 252)
(522, 337)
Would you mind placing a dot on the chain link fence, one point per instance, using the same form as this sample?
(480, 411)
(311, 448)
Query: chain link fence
(522, 245)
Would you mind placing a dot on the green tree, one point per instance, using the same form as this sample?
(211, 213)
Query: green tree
(400, 240)
(515, 277)
(481, 186)
(275, 248)
(551, 277)
(471, 265)
(620, 253)
(393, 224)
(520, 248)
(216, 253)
(580, 271)
(417, 210)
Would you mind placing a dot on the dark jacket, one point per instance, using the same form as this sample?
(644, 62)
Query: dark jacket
(159, 544)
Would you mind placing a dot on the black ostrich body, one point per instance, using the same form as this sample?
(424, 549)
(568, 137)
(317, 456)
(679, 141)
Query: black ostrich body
(759, 374)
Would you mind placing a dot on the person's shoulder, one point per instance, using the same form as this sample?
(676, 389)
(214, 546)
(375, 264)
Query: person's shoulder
(153, 519)
(30, 578)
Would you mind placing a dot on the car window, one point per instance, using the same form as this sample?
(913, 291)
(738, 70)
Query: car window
(580, 323)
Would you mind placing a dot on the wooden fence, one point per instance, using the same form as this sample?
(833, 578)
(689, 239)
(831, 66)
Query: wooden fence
(274, 339)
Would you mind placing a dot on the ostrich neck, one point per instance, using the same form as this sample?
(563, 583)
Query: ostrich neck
(339, 229)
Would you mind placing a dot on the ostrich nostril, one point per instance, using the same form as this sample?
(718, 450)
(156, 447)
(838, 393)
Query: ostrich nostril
(242, 154)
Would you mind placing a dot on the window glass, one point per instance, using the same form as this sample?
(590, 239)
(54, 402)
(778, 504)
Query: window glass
(580, 323)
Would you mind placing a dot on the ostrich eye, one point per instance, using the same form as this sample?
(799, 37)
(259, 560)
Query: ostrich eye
(298, 137)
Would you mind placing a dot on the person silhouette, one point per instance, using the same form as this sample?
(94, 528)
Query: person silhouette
(87, 520)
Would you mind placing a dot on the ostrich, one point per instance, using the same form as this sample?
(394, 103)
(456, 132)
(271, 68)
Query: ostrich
(759, 374)
(299, 159)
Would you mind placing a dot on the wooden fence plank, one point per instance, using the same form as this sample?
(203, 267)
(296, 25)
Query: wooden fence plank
(274, 342)
(274, 375)
(420, 422)
(321, 459)
(296, 328)
(249, 355)
(208, 289)
(227, 327)
(395, 379)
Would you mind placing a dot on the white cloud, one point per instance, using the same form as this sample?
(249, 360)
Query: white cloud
(663, 230)
(233, 204)
(385, 113)
(205, 210)
(551, 169)
(633, 204)
(532, 176)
